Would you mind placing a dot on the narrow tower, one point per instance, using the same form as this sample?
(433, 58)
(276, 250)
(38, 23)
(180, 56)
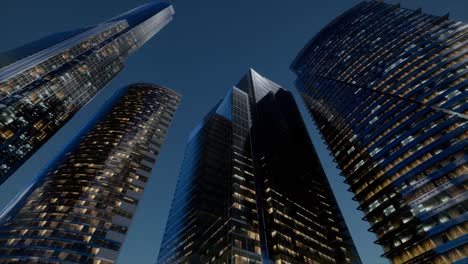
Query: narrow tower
(79, 210)
(44, 83)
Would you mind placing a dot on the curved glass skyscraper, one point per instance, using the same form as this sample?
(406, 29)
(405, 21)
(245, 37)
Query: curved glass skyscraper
(251, 187)
(386, 87)
(44, 83)
(79, 210)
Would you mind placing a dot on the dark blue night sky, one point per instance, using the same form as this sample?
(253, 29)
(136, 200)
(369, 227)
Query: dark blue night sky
(201, 54)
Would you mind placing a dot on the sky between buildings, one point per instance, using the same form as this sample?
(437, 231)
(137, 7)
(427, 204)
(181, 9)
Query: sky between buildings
(203, 52)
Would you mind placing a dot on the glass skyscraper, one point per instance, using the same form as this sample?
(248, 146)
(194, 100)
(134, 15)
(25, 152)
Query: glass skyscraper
(387, 89)
(80, 208)
(44, 83)
(251, 188)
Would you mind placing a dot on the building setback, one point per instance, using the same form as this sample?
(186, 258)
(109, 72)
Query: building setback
(251, 188)
(386, 87)
(44, 83)
(80, 208)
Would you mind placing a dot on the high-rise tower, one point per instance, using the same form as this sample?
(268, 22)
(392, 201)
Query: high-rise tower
(44, 83)
(251, 188)
(79, 210)
(386, 87)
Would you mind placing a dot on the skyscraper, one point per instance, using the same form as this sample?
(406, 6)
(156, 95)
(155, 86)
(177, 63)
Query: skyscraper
(80, 208)
(386, 87)
(44, 83)
(251, 188)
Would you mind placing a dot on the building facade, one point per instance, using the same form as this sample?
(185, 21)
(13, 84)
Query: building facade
(44, 83)
(80, 208)
(386, 87)
(251, 188)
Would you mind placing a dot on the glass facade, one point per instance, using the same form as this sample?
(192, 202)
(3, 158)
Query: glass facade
(43, 84)
(386, 87)
(80, 208)
(236, 203)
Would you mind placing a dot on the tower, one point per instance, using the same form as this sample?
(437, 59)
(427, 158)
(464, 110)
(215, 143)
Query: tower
(44, 83)
(251, 188)
(80, 208)
(386, 87)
